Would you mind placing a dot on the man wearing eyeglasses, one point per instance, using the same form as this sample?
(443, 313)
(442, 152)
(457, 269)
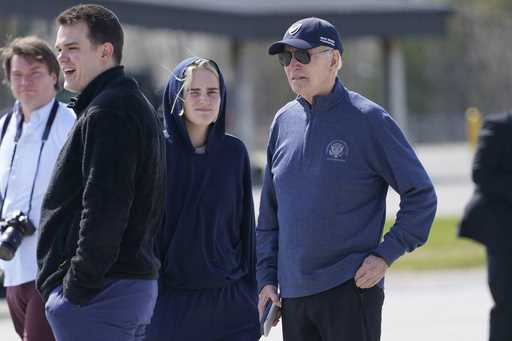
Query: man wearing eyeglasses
(332, 154)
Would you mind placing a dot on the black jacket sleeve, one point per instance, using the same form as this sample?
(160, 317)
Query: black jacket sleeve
(108, 170)
(489, 171)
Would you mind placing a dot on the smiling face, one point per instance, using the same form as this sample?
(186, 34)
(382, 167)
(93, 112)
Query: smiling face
(201, 98)
(315, 78)
(80, 60)
(31, 82)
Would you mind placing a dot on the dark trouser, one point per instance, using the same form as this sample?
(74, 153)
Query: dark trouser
(500, 283)
(120, 312)
(27, 313)
(343, 313)
(220, 314)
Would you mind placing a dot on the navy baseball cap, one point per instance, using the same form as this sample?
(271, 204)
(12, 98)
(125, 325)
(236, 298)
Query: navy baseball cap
(308, 33)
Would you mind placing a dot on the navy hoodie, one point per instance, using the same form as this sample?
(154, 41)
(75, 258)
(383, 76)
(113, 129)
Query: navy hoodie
(207, 239)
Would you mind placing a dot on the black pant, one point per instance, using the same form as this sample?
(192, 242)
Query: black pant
(343, 313)
(500, 282)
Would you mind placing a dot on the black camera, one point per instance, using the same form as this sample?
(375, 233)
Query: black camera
(12, 232)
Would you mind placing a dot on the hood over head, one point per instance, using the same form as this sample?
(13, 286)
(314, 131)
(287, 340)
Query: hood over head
(176, 130)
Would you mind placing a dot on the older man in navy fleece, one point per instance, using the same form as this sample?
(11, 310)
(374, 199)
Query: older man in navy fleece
(332, 154)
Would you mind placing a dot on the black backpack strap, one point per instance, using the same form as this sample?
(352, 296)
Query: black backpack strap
(6, 124)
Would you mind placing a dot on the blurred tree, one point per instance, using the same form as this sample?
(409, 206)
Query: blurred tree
(484, 4)
(471, 66)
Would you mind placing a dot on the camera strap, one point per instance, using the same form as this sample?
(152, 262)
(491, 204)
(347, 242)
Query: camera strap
(19, 130)
(5, 126)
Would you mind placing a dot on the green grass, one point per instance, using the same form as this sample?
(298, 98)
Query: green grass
(444, 250)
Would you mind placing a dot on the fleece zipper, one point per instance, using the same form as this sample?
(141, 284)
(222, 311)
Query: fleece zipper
(306, 148)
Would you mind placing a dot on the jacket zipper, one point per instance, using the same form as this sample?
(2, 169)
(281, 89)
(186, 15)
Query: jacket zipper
(306, 148)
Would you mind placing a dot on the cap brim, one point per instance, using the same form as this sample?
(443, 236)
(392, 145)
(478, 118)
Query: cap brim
(279, 46)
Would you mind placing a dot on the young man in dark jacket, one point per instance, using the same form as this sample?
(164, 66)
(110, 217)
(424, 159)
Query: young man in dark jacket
(97, 269)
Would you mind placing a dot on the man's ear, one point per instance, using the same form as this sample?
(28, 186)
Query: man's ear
(55, 79)
(107, 51)
(336, 58)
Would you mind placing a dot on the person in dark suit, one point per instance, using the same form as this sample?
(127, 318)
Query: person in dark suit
(488, 216)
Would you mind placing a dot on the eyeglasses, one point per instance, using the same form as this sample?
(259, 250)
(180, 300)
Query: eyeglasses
(302, 56)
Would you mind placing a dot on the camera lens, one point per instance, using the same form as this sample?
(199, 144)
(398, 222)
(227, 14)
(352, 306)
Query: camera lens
(9, 242)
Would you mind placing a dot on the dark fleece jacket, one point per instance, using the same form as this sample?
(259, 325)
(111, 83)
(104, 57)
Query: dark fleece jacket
(105, 201)
(207, 240)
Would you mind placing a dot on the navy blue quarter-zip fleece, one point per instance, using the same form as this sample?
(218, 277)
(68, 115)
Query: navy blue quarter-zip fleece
(323, 199)
(207, 240)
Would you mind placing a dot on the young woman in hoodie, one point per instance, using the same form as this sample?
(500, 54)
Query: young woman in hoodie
(207, 287)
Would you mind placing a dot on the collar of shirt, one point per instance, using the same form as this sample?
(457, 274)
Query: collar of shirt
(39, 115)
(326, 102)
(79, 103)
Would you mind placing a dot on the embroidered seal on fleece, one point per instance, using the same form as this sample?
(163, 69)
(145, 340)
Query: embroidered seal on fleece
(337, 150)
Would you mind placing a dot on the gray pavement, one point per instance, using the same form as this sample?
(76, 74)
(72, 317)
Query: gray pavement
(6, 328)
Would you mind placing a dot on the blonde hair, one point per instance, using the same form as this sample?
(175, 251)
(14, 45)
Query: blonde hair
(203, 64)
(200, 64)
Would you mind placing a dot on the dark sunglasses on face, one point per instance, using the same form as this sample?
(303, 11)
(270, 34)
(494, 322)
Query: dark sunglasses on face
(302, 56)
